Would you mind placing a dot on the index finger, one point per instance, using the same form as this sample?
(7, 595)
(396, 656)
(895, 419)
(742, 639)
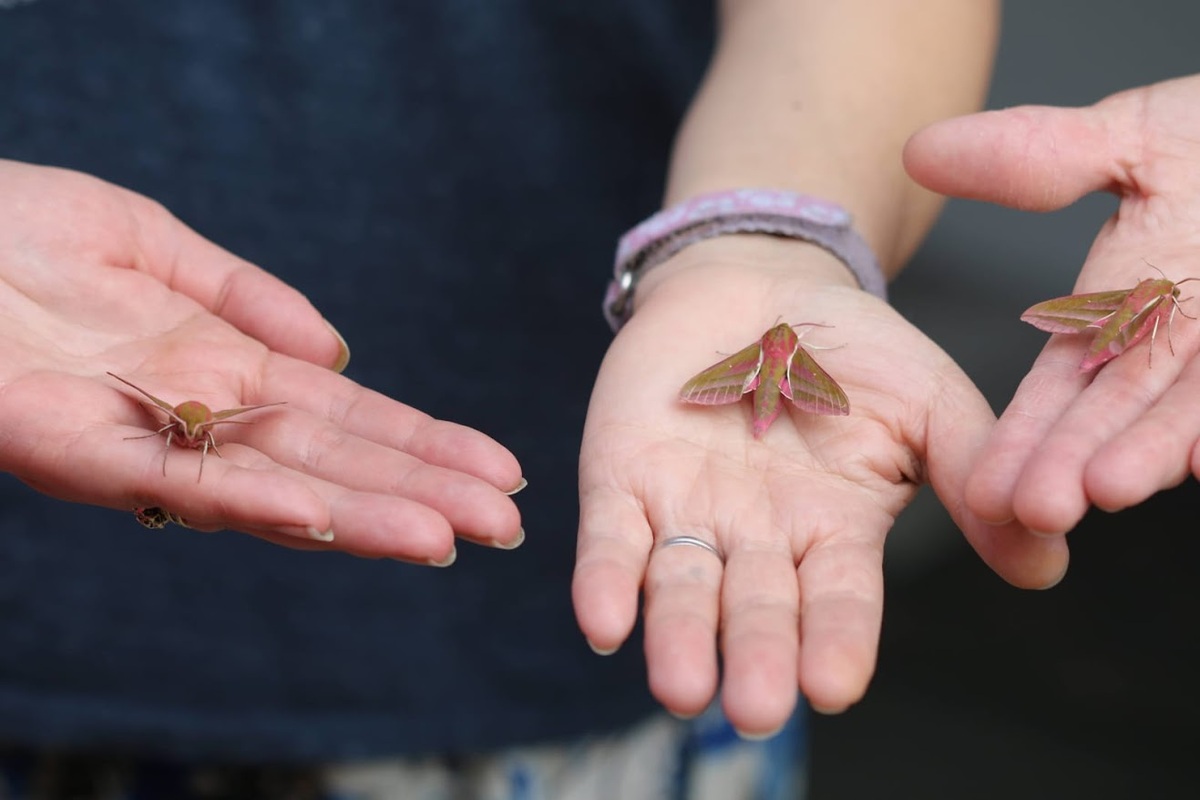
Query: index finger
(1053, 383)
(611, 556)
(378, 418)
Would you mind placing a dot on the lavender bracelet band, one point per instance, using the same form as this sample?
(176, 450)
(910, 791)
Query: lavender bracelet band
(772, 211)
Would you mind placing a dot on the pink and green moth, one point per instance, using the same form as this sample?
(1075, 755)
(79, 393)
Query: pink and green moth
(1121, 318)
(776, 365)
(191, 423)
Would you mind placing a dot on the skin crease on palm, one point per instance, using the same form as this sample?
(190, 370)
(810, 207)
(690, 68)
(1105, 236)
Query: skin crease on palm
(1111, 437)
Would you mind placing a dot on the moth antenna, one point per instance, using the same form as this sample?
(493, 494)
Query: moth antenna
(1156, 269)
(795, 325)
(172, 417)
(162, 404)
(800, 334)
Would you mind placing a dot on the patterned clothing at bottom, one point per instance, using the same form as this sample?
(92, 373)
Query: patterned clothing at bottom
(660, 759)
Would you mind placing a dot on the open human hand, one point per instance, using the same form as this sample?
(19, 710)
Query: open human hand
(96, 279)
(799, 517)
(1115, 435)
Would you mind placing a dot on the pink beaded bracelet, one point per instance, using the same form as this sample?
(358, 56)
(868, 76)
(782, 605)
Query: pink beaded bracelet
(771, 211)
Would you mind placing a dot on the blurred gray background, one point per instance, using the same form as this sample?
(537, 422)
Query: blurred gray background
(985, 691)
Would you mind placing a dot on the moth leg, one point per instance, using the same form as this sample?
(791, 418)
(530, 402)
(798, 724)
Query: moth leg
(1179, 307)
(167, 450)
(212, 442)
(209, 441)
(161, 430)
(203, 453)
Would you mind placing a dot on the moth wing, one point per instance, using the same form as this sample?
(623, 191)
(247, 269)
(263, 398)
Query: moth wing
(223, 416)
(1119, 334)
(811, 388)
(1074, 313)
(727, 380)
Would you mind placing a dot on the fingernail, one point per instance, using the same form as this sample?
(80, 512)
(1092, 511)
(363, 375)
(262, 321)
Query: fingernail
(679, 715)
(343, 358)
(514, 544)
(601, 651)
(306, 532)
(1054, 581)
(1045, 534)
(447, 561)
(520, 486)
(758, 737)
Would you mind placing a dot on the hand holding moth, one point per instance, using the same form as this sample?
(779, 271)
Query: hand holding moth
(799, 513)
(1106, 417)
(116, 284)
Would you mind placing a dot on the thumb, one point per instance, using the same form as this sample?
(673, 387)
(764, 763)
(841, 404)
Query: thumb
(1035, 158)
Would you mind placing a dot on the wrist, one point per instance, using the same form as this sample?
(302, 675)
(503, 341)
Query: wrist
(745, 275)
(780, 213)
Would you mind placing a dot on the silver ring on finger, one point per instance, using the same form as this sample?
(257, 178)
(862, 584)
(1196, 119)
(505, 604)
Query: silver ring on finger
(694, 541)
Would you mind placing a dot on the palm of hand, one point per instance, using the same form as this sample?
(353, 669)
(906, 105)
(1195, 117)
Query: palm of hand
(799, 516)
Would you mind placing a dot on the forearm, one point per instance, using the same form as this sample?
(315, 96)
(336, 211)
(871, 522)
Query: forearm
(819, 97)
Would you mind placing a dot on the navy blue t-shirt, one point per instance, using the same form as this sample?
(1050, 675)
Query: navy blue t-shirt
(446, 181)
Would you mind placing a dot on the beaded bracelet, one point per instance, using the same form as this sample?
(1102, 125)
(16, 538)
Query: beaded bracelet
(772, 211)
